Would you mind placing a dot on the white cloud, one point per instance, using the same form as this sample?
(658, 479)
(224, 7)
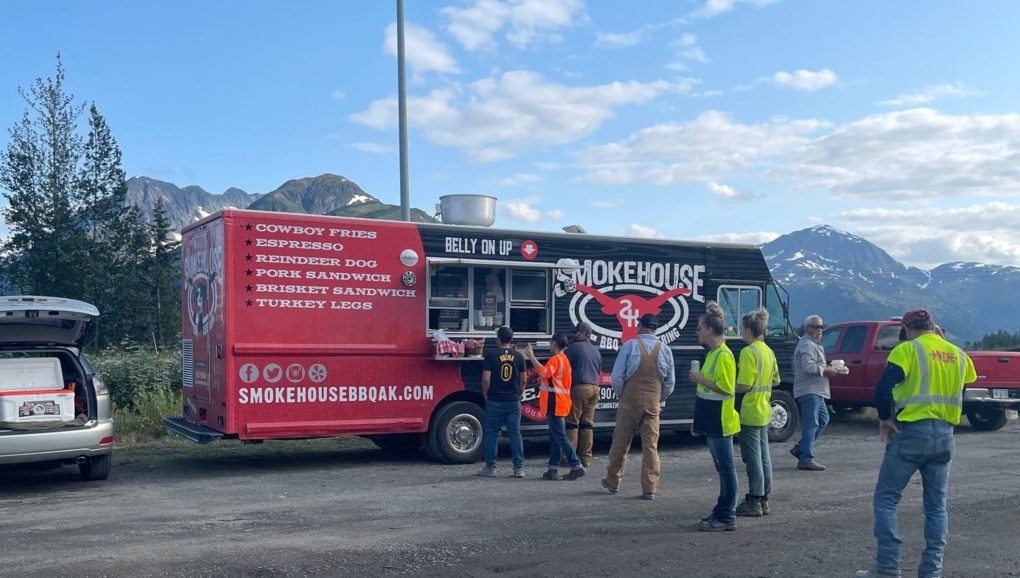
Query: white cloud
(721, 190)
(520, 179)
(910, 155)
(808, 80)
(337, 95)
(524, 22)
(927, 236)
(624, 39)
(740, 238)
(635, 230)
(555, 214)
(619, 39)
(500, 117)
(371, 147)
(713, 8)
(521, 211)
(709, 148)
(605, 204)
(422, 51)
(929, 94)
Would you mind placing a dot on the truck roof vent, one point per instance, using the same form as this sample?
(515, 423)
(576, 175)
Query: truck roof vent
(472, 210)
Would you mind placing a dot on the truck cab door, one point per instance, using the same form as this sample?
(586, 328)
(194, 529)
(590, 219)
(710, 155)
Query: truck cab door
(852, 349)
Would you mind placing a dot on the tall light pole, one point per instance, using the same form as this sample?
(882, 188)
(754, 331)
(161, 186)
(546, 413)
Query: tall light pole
(405, 194)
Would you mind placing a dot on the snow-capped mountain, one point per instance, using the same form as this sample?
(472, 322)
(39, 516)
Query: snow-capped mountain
(843, 277)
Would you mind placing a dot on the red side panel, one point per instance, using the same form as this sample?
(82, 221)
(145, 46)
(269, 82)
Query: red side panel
(326, 327)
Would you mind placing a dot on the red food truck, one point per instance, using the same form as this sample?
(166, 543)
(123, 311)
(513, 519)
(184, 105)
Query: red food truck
(300, 326)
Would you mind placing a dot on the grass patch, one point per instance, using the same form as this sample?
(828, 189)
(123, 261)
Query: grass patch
(145, 386)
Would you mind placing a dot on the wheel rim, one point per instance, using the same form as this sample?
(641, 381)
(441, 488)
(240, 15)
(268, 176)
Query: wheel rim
(780, 417)
(464, 433)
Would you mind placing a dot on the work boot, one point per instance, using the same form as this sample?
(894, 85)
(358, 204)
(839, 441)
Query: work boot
(551, 475)
(605, 484)
(713, 525)
(750, 507)
(488, 472)
(810, 466)
(795, 451)
(575, 473)
(764, 505)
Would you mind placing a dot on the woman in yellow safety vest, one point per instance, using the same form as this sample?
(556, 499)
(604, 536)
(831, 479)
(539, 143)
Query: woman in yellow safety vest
(757, 372)
(715, 416)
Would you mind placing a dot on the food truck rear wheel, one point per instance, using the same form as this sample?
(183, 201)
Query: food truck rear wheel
(456, 433)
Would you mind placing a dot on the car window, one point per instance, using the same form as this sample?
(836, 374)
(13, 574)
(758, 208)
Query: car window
(829, 339)
(853, 339)
(888, 337)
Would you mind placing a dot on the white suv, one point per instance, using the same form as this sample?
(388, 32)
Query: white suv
(53, 406)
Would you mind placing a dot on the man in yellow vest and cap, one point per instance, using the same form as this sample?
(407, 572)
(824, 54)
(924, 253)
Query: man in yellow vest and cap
(923, 384)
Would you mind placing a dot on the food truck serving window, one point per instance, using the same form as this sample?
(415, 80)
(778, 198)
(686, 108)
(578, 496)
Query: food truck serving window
(482, 296)
(737, 301)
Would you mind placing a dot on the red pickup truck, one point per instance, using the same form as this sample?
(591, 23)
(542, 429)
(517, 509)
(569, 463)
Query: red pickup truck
(865, 345)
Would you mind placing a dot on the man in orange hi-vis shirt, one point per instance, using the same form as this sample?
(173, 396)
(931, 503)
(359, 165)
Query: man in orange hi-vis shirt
(554, 402)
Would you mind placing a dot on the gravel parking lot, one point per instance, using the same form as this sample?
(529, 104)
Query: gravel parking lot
(344, 508)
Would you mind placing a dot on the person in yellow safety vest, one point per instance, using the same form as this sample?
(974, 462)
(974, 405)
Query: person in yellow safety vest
(757, 373)
(923, 382)
(556, 379)
(715, 416)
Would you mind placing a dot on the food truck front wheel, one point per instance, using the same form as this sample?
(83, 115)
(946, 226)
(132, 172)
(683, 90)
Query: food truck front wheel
(455, 436)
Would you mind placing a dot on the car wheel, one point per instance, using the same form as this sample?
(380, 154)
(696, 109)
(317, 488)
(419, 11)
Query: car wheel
(456, 433)
(96, 468)
(785, 416)
(398, 443)
(986, 418)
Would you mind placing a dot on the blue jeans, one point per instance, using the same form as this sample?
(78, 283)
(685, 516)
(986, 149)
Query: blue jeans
(928, 446)
(754, 451)
(814, 417)
(721, 448)
(559, 444)
(503, 413)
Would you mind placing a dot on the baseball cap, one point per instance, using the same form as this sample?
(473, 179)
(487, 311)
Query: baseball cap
(583, 327)
(649, 321)
(919, 314)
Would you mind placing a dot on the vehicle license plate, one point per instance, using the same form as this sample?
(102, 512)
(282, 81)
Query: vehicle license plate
(1000, 394)
(33, 408)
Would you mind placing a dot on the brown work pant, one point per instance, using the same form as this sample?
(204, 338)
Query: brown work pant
(631, 418)
(581, 419)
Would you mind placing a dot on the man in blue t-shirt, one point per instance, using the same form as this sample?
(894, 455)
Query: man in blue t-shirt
(503, 380)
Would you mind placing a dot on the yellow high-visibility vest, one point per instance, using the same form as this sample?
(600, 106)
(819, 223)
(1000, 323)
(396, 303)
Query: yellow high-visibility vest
(936, 372)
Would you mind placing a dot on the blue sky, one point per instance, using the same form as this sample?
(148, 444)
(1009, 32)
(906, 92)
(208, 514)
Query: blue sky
(735, 120)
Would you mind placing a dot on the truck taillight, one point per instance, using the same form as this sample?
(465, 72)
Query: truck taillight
(100, 385)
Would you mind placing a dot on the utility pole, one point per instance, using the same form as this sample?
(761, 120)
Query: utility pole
(405, 194)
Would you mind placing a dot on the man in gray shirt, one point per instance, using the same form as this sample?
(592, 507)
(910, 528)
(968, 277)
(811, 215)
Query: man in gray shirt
(811, 390)
(585, 366)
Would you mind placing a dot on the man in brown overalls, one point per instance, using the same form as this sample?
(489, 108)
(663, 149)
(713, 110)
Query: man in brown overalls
(643, 376)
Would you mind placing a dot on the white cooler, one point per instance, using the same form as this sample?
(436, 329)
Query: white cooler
(39, 408)
(32, 394)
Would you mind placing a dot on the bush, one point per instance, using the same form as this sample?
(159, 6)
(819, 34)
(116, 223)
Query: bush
(145, 386)
(133, 372)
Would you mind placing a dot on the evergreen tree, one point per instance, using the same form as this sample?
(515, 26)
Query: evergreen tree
(71, 233)
(164, 266)
(45, 251)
